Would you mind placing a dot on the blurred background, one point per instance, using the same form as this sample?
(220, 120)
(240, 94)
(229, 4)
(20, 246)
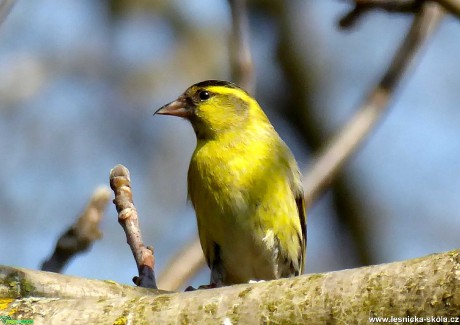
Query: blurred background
(80, 80)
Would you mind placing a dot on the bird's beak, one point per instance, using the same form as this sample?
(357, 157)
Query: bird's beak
(176, 108)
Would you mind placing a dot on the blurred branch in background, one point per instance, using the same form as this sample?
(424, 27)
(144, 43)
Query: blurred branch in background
(190, 259)
(345, 143)
(120, 183)
(299, 111)
(81, 235)
(364, 6)
(347, 140)
(5, 8)
(453, 6)
(242, 67)
(401, 6)
(182, 267)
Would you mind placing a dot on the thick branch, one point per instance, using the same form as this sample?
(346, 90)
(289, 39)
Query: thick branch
(23, 283)
(81, 235)
(423, 287)
(127, 217)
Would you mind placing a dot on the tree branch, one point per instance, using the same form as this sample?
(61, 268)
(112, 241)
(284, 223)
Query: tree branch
(422, 287)
(182, 267)
(452, 6)
(5, 8)
(364, 6)
(328, 163)
(242, 68)
(81, 235)
(127, 217)
(399, 6)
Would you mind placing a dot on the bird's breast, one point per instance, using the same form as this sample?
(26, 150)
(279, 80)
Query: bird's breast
(218, 184)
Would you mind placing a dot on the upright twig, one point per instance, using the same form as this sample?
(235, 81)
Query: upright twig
(82, 234)
(120, 183)
(329, 162)
(242, 67)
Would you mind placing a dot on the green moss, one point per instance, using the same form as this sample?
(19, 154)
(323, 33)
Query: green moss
(272, 308)
(183, 319)
(107, 308)
(316, 276)
(281, 312)
(129, 308)
(140, 312)
(211, 308)
(447, 299)
(110, 282)
(13, 284)
(18, 286)
(160, 302)
(27, 287)
(374, 292)
(233, 314)
(455, 255)
(245, 292)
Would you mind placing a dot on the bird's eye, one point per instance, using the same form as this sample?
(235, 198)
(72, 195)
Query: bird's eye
(204, 95)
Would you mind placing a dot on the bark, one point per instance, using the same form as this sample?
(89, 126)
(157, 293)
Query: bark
(422, 287)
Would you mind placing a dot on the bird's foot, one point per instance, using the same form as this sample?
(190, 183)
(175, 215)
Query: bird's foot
(202, 287)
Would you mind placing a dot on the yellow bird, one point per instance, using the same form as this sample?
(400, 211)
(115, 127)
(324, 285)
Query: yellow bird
(244, 185)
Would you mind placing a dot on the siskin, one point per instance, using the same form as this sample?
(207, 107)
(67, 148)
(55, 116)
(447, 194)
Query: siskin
(244, 185)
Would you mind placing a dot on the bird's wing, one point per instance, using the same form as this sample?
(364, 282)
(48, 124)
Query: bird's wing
(300, 201)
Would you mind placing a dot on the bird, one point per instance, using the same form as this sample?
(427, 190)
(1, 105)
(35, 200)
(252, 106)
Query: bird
(244, 185)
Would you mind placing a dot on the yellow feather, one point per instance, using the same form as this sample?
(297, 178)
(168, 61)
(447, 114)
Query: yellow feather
(245, 187)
